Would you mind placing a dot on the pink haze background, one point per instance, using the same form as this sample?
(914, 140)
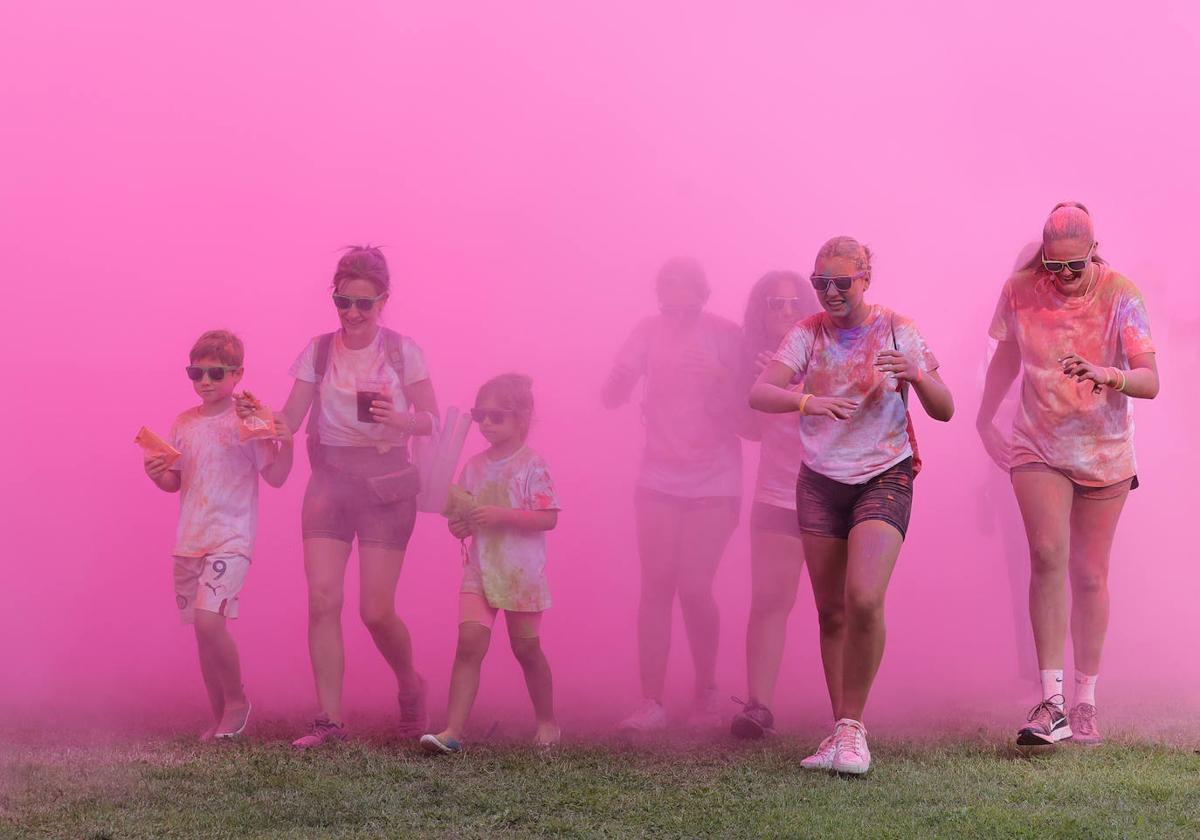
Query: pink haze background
(170, 169)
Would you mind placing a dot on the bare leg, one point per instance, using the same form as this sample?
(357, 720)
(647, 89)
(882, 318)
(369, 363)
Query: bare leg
(1093, 524)
(826, 557)
(776, 561)
(658, 527)
(213, 636)
(539, 681)
(473, 641)
(325, 569)
(379, 572)
(873, 548)
(1045, 499)
(704, 532)
(212, 681)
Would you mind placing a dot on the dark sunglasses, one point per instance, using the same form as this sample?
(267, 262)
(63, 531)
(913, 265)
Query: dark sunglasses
(364, 304)
(1074, 266)
(778, 304)
(216, 374)
(494, 415)
(843, 282)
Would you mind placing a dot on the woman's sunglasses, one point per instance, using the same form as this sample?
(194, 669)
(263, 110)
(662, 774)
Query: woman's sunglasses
(1074, 266)
(494, 415)
(843, 282)
(778, 304)
(364, 304)
(216, 374)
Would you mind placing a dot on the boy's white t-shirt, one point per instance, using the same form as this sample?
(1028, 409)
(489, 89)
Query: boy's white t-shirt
(505, 565)
(692, 449)
(218, 493)
(338, 424)
(841, 363)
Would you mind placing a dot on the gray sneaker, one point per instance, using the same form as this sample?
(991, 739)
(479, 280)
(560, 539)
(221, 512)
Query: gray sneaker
(323, 729)
(1047, 725)
(1083, 725)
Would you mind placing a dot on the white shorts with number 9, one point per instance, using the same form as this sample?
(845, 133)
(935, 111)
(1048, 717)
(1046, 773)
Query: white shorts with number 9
(210, 583)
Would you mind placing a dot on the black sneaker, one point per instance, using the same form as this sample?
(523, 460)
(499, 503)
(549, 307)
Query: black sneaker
(1048, 724)
(754, 721)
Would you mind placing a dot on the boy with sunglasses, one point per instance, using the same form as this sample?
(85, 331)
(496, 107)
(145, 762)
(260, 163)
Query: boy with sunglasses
(217, 479)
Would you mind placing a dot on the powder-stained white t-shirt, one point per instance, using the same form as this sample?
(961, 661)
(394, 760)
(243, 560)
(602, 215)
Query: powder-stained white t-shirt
(338, 424)
(506, 565)
(841, 363)
(218, 494)
(692, 448)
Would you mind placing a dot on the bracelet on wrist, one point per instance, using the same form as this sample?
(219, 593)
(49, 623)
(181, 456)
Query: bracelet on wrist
(804, 401)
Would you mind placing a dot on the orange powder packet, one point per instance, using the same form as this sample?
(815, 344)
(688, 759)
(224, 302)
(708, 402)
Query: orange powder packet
(259, 424)
(152, 444)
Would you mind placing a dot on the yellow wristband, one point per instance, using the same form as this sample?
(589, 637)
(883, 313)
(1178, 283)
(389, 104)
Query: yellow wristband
(804, 401)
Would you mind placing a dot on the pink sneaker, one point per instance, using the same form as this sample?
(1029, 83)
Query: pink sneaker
(414, 719)
(1083, 725)
(323, 729)
(822, 759)
(851, 754)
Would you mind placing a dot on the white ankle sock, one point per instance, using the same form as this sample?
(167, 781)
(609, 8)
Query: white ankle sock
(1085, 688)
(1052, 683)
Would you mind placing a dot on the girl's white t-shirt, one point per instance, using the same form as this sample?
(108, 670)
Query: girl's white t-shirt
(338, 424)
(779, 458)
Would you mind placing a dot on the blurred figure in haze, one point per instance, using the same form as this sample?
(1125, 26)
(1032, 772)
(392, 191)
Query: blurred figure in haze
(688, 491)
(855, 489)
(1078, 333)
(777, 301)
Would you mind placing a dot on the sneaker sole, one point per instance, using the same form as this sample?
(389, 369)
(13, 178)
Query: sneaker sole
(1029, 738)
(824, 765)
(850, 769)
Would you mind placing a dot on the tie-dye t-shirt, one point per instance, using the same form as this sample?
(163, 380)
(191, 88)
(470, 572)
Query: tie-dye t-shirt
(1060, 422)
(218, 491)
(692, 448)
(841, 363)
(505, 565)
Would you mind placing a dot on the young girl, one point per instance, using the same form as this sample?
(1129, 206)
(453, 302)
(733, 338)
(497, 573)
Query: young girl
(778, 300)
(854, 492)
(513, 504)
(1077, 332)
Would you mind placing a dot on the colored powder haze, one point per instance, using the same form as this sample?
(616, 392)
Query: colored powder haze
(168, 170)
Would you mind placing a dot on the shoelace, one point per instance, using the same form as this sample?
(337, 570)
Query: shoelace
(747, 705)
(849, 738)
(1086, 712)
(1049, 706)
(322, 725)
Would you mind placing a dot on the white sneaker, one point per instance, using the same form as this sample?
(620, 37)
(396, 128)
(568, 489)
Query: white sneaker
(850, 744)
(706, 711)
(650, 716)
(822, 759)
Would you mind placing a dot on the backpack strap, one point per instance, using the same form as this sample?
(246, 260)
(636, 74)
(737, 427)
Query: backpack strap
(393, 346)
(320, 363)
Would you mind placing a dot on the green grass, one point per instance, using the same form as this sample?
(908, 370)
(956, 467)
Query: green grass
(975, 786)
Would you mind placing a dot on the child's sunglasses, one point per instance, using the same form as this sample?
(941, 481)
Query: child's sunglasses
(495, 415)
(843, 282)
(1074, 266)
(778, 304)
(364, 304)
(216, 374)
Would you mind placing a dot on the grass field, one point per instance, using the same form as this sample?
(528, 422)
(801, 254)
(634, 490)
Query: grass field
(972, 786)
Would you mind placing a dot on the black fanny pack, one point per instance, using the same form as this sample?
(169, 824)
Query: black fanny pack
(388, 475)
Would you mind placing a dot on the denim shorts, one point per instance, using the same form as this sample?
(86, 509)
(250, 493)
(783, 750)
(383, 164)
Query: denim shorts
(339, 503)
(828, 508)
